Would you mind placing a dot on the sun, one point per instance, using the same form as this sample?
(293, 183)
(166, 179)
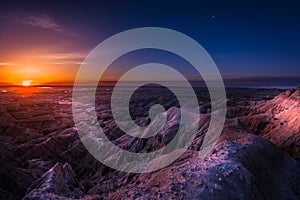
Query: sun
(26, 82)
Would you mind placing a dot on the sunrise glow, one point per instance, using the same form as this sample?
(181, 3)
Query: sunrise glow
(26, 83)
(50, 47)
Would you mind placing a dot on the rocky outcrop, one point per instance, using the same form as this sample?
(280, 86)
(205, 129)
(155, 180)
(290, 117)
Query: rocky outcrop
(57, 183)
(241, 166)
(59, 180)
(276, 120)
(42, 157)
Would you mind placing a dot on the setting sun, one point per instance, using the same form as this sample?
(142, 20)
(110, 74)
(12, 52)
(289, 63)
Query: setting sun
(26, 82)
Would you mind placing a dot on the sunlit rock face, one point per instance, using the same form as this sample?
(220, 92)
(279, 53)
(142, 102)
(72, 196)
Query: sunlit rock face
(276, 120)
(241, 166)
(42, 156)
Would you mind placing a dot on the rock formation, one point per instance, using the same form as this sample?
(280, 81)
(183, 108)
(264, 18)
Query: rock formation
(42, 156)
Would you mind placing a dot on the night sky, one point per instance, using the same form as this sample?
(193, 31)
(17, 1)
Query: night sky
(253, 43)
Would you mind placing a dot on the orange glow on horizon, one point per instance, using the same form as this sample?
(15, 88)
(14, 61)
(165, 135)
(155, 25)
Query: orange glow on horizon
(26, 83)
(34, 75)
(28, 52)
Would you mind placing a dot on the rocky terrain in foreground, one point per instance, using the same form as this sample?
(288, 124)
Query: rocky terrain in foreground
(256, 157)
(276, 120)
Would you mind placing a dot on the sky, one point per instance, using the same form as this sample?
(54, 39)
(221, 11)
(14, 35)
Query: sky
(255, 43)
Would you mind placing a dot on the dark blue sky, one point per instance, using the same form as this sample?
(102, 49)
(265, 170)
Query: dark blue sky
(245, 38)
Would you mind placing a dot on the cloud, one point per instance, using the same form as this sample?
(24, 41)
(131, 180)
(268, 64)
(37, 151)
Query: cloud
(4, 63)
(45, 58)
(75, 58)
(38, 20)
(8, 64)
(42, 21)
